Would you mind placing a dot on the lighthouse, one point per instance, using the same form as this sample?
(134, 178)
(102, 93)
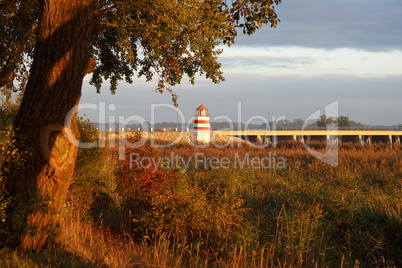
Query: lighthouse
(202, 127)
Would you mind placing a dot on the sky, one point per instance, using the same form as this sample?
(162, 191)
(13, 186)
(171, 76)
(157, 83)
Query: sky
(322, 51)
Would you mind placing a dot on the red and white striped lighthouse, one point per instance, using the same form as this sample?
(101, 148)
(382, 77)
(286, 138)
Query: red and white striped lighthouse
(202, 127)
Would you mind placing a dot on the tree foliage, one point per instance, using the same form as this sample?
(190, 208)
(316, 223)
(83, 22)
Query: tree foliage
(158, 39)
(18, 20)
(343, 121)
(323, 121)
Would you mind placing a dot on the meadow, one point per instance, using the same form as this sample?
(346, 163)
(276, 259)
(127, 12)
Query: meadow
(229, 207)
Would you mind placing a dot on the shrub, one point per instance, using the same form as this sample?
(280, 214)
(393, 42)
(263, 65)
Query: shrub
(157, 199)
(88, 133)
(91, 194)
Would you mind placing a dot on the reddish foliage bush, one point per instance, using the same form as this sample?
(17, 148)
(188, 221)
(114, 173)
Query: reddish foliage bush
(139, 176)
(156, 198)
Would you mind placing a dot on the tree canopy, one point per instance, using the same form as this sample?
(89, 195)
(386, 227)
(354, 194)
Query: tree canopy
(158, 39)
(323, 121)
(114, 40)
(343, 121)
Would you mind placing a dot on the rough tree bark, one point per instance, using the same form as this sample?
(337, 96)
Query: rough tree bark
(54, 88)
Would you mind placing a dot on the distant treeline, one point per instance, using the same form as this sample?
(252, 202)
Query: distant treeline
(169, 126)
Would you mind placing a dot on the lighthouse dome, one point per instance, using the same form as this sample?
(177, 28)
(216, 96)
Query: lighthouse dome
(201, 107)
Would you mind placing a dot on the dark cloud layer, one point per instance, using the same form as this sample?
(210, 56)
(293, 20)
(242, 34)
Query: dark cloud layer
(360, 24)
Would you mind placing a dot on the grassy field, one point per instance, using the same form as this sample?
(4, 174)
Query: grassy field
(230, 207)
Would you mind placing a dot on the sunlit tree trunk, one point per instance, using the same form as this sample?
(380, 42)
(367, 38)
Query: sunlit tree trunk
(39, 188)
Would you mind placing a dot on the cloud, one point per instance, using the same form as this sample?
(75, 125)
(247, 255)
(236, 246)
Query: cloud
(310, 61)
(259, 62)
(360, 24)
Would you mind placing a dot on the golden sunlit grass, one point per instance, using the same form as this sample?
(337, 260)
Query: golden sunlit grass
(307, 214)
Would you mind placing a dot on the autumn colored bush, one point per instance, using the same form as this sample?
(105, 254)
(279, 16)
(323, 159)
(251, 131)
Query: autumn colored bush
(157, 198)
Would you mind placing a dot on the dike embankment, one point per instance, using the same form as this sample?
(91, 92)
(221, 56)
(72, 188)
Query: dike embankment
(177, 137)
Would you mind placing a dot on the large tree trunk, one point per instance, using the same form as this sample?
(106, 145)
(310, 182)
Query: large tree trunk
(39, 188)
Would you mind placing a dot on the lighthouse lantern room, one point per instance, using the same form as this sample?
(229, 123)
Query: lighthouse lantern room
(202, 127)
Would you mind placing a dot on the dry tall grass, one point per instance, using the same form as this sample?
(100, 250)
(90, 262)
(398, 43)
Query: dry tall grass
(307, 214)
